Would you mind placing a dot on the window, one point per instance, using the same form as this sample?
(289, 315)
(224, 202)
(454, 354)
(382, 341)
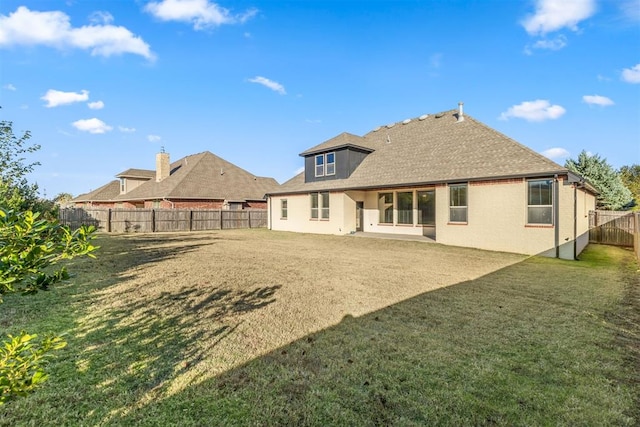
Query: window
(283, 209)
(319, 204)
(405, 207)
(314, 205)
(458, 203)
(320, 165)
(540, 201)
(324, 198)
(331, 164)
(326, 164)
(427, 207)
(123, 186)
(385, 207)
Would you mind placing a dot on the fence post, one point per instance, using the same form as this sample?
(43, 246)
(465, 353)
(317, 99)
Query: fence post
(190, 219)
(109, 221)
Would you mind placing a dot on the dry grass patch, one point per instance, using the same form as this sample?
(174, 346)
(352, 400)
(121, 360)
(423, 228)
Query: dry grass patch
(258, 327)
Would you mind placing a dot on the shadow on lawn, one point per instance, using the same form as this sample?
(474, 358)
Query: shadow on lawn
(519, 346)
(145, 342)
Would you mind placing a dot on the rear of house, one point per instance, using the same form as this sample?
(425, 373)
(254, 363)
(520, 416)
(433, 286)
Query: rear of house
(446, 176)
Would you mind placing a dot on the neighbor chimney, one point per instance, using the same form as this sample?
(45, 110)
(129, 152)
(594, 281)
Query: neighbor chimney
(460, 114)
(162, 166)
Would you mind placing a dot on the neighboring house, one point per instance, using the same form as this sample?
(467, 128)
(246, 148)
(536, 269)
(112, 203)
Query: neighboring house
(199, 181)
(446, 176)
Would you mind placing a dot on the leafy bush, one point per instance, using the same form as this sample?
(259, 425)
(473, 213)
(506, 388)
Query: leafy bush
(31, 245)
(22, 364)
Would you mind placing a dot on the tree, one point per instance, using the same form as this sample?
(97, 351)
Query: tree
(15, 191)
(62, 199)
(630, 176)
(31, 248)
(613, 193)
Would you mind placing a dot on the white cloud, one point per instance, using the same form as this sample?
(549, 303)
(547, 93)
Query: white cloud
(556, 153)
(534, 111)
(55, 98)
(553, 15)
(92, 125)
(97, 105)
(201, 13)
(597, 100)
(29, 28)
(554, 44)
(153, 138)
(631, 75)
(630, 10)
(275, 86)
(101, 17)
(9, 86)
(126, 129)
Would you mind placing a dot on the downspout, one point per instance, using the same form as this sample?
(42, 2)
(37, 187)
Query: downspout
(172, 205)
(575, 221)
(556, 214)
(269, 211)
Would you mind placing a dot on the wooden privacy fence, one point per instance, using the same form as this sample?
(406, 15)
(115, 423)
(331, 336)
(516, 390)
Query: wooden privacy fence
(613, 228)
(154, 220)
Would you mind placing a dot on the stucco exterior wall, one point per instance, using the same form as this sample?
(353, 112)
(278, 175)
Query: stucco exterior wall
(496, 218)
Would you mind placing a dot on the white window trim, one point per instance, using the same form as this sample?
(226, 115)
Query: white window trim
(466, 206)
(325, 164)
(284, 210)
(321, 208)
(553, 219)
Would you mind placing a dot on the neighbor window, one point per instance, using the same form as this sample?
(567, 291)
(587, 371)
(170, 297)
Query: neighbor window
(405, 207)
(458, 203)
(283, 208)
(314, 205)
(385, 207)
(326, 164)
(123, 185)
(540, 201)
(427, 207)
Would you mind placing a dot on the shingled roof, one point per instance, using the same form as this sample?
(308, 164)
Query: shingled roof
(429, 149)
(103, 194)
(204, 176)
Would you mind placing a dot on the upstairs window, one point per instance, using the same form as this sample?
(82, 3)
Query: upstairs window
(540, 201)
(325, 164)
(123, 185)
(458, 203)
(320, 165)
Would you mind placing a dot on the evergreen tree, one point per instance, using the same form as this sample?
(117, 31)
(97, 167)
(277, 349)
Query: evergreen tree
(631, 178)
(613, 193)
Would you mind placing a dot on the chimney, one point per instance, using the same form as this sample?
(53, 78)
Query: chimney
(162, 166)
(460, 114)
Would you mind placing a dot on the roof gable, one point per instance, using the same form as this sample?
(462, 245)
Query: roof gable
(345, 139)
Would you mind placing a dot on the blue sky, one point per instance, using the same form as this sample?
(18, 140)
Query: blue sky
(105, 85)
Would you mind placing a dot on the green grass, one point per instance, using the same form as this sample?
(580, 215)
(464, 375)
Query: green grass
(540, 342)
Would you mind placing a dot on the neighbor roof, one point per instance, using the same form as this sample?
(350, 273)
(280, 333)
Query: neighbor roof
(204, 176)
(103, 194)
(430, 149)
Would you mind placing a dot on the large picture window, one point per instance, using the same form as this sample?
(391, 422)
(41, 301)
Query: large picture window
(427, 207)
(405, 207)
(385, 207)
(458, 203)
(540, 201)
(319, 205)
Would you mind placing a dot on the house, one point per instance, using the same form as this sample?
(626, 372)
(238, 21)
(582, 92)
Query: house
(198, 181)
(446, 176)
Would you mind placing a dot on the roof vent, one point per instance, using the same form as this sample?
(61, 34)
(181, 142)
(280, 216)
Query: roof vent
(460, 113)
(377, 129)
(404, 122)
(439, 115)
(422, 117)
(390, 125)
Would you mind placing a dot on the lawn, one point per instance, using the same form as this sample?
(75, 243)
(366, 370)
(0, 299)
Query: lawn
(253, 327)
